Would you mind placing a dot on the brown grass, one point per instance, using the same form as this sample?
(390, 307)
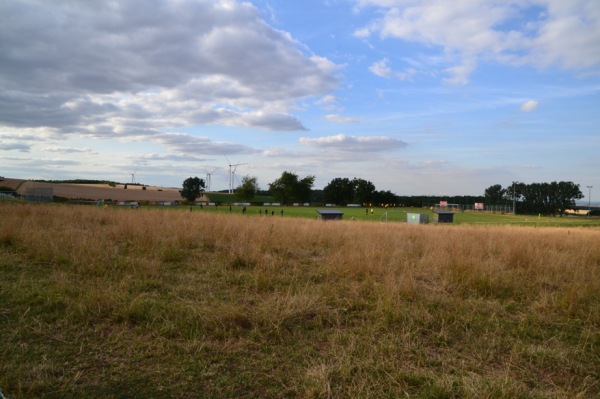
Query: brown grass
(98, 191)
(126, 303)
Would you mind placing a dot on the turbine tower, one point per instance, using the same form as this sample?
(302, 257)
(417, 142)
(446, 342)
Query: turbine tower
(133, 176)
(208, 177)
(231, 172)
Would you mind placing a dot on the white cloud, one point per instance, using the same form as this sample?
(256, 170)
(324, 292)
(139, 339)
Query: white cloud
(107, 69)
(340, 119)
(459, 74)
(569, 36)
(342, 142)
(562, 33)
(189, 144)
(382, 68)
(529, 106)
(327, 100)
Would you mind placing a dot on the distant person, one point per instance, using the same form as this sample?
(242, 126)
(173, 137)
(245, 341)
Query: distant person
(244, 210)
(282, 212)
(272, 213)
(260, 212)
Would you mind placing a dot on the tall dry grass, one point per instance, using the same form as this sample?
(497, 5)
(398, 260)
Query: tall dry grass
(177, 304)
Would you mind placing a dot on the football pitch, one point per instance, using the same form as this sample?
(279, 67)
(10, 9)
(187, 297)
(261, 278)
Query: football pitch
(400, 215)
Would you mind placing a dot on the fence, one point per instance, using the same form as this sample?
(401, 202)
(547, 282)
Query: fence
(505, 208)
(39, 194)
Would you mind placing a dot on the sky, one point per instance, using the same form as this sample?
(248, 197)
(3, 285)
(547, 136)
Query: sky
(420, 97)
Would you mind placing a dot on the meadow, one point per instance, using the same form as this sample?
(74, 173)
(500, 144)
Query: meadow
(206, 304)
(398, 214)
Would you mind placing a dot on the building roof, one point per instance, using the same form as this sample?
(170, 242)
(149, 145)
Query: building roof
(329, 212)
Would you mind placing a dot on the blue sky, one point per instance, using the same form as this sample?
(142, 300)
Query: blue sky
(420, 97)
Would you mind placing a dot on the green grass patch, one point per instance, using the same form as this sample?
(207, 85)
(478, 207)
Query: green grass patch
(399, 215)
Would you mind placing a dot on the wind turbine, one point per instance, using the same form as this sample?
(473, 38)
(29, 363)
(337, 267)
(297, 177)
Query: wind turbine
(133, 176)
(231, 172)
(208, 177)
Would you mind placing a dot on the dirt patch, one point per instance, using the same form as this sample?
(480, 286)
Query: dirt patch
(11, 183)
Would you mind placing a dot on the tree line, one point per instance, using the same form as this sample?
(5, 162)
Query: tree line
(544, 198)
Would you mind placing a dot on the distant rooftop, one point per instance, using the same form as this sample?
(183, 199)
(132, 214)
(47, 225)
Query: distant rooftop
(329, 212)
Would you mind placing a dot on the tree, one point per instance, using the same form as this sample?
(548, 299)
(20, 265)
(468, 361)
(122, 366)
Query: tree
(535, 198)
(343, 191)
(192, 188)
(564, 194)
(339, 191)
(288, 188)
(384, 197)
(304, 189)
(248, 189)
(494, 194)
(364, 191)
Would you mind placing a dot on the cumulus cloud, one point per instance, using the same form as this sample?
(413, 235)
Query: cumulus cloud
(188, 144)
(342, 142)
(105, 68)
(529, 106)
(563, 33)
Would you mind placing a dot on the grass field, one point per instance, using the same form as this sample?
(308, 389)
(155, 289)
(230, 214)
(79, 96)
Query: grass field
(397, 214)
(122, 303)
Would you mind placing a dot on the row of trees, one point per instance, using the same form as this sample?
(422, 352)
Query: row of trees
(343, 191)
(545, 198)
(290, 188)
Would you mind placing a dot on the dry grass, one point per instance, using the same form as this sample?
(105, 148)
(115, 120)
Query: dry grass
(98, 191)
(122, 303)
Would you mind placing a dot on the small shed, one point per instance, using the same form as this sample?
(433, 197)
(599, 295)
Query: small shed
(330, 214)
(445, 216)
(417, 218)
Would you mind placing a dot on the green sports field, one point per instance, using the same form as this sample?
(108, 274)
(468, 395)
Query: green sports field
(398, 214)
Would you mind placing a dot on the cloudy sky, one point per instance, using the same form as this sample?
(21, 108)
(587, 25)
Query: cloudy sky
(418, 96)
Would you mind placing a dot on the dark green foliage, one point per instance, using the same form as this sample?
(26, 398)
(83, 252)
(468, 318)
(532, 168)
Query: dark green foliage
(248, 189)
(192, 188)
(494, 194)
(288, 188)
(339, 191)
(537, 198)
(344, 191)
